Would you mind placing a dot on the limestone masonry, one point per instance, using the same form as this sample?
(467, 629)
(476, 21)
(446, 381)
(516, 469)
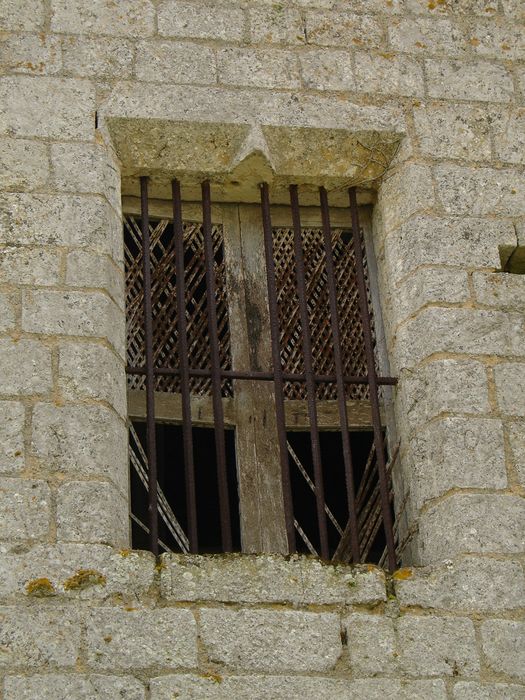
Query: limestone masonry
(431, 96)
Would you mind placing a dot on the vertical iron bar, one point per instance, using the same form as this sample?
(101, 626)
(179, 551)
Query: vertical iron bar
(339, 372)
(372, 381)
(218, 415)
(182, 337)
(151, 446)
(309, 372)
(277, 368)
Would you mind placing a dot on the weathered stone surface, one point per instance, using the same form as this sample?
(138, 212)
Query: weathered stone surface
(140, 639)
(25, 367)
(92, 57)
(30, 265)
(81, 440)
(50, 107)
(481, 81)
(447, 645)
(457, 453)
(92, 511)
(487, 691)
(88, 370)
(473, 585)
(8, 316)
(269, 640)
(52, 686)
(218, 687)
(425, 36)
(276, 24)
(23, 164)
(24, 509)
(371, 644)
(454, 131)
(342, 29)
(497, 39)
(87, 269)
(509, 136)
(476, 523)
(504, 647)
(128, 18)
(516, 433)
(21, 15)
(170, 62)
(277, 68)
(202, 21)
(388, 74)
(510, 388)
(79, 571)
(38, 637)
(12, 418)
(268, 579)
(324, 69)
(500, 289)
(34, 54)
(406, 192)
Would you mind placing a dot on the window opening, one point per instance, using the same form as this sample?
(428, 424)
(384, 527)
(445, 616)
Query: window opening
(285, 355)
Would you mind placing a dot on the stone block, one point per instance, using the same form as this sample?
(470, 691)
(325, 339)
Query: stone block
(58, 108)
(8, 316)
(483, 8)
(23, 164)
(472, 523)
(455, 453)
(480, 81)
(53, 686)
(503, 643)
(455, 131)
(427, 35)
(277, 68)
(86, 572)
(514, 8)
(97, 57)
(472, 585)
(426, 240)
(510, 388)
(344, 29)
(36, 636)
(470, 690)
(268, 578)
(87, 269)
(141, 639)
(516, 433)
(63, 220)
(12, 419)
(81, 440)
(24, 509)
(22, 15)
(509, 137)
(34, 54)
(134, 18)
(25, 367)
(76, 313)
(276, 24)
(92, 512)
(404, 193)
(502, 39)
(455, 330)
(171, 62)
(201, 21)
(325, 69)
(371, 644)
(501, 290)
(269, 640)
(30, 265)
(480, 191)
(248, 687)
(447, 645)
(92, 371)
(388, 74)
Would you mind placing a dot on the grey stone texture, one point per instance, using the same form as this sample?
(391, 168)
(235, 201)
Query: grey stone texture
(54, 686)
(504, 647)
(25, 509)
(12, 419)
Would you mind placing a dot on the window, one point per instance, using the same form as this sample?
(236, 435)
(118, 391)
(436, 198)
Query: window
(235, 405)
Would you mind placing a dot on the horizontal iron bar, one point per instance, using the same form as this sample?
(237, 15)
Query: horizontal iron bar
(261, 376)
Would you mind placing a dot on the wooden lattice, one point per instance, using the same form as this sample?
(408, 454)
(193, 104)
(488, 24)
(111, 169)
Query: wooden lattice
(164, 305)
(350, 325)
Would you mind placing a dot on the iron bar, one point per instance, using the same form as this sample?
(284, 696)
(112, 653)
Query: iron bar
(182, 346)
(339, 371)
(309, 372)
(218, 415)
(277, 374)
(150, 377)
(372, 380)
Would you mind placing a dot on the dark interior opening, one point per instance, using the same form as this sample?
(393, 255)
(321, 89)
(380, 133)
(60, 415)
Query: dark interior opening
(170, 467)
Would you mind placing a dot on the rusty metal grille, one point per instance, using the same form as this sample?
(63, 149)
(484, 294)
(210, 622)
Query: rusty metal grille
(164, 304)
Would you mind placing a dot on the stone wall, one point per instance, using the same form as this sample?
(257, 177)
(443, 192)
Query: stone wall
(445, 77)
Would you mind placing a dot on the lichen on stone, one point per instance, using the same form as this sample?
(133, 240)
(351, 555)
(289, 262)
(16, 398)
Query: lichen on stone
(84, 578)
(40, 587)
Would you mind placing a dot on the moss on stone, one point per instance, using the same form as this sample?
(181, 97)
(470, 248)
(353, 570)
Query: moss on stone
(84, 578)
